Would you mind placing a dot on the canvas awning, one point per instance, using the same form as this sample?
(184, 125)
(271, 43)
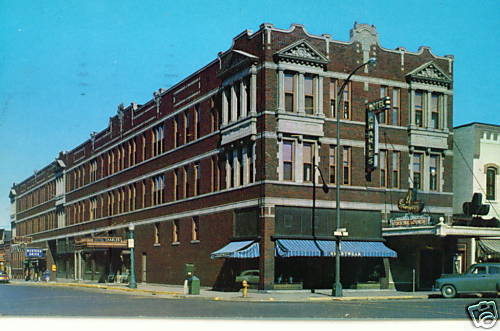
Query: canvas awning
(490, 246)
(238, 250)
(292, 247)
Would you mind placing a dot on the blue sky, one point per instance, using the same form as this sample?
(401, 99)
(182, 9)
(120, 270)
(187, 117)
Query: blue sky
(66, 65)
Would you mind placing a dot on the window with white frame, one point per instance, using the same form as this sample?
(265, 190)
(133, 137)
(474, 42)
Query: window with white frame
(434, 172)
(332, 150)
(289, 92)
(395, 169)
(288, 157)
(346, 164)
(395, 106)
(308, 94)
(332, 87)
(417, 170)
(383, 167)
(491, 179)
(436, 100)
(307, 161)
(419, 108)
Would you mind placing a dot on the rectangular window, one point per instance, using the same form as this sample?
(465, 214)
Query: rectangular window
(250, 163)
(434, 173)
(177, 188)
(307, 157)
(186, 182)
(227, 96)
(175, 231)
(383, 168)
(157, 139)
(177, 133)
(395, 106)
(143, 138)
(134, 151)
(93, 208)
(395, 169)
(419, 108)
(331, 162)
(308, 94)
(491, 178)
(237, 95)
(288, 160)
(382, 116)
(187, 129)
(289, 92)
(346, 164)
(143, 192)
(240, 167)
(346, 100)
(157, 234)
(195, 228)
(435, 106)
(196, 178)
(417, 170)
(333, 97)
(197, 119)
(157, 189)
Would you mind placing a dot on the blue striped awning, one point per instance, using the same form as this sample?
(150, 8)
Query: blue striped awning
(238, 250)
(291, 247)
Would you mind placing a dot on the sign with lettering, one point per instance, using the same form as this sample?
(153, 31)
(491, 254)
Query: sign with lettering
(371, 143)
(102, 242)
(22, 240)
(32, 253)
(410, 220)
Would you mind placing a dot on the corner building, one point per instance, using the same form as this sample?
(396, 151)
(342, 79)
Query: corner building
(221, 164)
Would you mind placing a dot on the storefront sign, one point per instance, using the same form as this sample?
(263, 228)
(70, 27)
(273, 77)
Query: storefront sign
(22, 240)
(34, 253)
(102, 242)
(411, 220)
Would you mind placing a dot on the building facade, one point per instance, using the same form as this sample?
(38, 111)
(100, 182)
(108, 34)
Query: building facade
(221, 165)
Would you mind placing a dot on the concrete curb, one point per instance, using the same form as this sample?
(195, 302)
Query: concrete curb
(179, 295)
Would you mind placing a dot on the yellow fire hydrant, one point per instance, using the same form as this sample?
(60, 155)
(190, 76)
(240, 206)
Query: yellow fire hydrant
(244, 284)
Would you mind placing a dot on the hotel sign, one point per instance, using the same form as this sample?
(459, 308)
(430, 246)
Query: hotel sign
(371, 143)
(411, 220)
(22, 240)
(101, 242)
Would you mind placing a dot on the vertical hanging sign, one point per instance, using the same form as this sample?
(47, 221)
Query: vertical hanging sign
(371, 143)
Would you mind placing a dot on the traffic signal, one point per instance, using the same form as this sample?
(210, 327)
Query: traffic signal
(387, 103)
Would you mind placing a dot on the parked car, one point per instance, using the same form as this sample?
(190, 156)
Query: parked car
(479, 278)
(251, 276)
(4, 278)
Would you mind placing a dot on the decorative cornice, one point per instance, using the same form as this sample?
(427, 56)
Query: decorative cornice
(429, 73)
(301, 52)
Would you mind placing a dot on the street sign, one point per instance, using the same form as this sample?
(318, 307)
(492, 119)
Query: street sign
(34, 253)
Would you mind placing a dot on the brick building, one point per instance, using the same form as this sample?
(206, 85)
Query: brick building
(225, 157)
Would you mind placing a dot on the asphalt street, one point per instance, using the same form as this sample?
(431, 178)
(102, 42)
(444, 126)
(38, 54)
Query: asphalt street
(47, 301)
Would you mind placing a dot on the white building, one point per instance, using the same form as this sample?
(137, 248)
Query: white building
(476, 166)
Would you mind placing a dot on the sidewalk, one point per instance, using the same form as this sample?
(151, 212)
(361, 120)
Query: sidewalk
(177, 292)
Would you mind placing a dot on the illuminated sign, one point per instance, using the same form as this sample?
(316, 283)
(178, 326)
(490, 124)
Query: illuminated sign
(103, 242)
(411, 220)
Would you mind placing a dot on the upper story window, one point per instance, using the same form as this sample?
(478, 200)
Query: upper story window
(434, 173)
(195, 228)
(417, 170)
(491, 178)
(347, 165)
(289, 92)
(382, 116)
(308, 94)
(307, 157)
(157, 140)
(187, 129)
(175, 231)
(331, 162)
(197, 121)
(346, 102)
(177, 133)
(333, 98)
(436, 101)
(197, 176)
(419, 108)
(395, 169)
(157, 234)
(395, 106)
(383, 168)
(288, 160)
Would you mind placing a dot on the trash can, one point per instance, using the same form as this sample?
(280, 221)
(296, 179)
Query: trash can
(193, 285)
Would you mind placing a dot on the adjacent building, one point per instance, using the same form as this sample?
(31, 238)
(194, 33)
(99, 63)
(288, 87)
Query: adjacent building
(217, 171)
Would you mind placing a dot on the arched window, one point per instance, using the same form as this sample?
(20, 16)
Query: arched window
(491, 177)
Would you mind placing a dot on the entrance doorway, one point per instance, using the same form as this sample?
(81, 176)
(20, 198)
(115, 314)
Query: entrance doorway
(430, 268)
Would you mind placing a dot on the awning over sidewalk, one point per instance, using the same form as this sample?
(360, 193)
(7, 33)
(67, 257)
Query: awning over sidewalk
(290, 248)
(490, 246)
(238, 250)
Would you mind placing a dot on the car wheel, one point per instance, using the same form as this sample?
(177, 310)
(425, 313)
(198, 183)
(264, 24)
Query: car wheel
(448, 291)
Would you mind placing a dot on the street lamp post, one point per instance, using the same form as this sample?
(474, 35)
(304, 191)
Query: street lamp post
(132, 282)
(337, 289)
